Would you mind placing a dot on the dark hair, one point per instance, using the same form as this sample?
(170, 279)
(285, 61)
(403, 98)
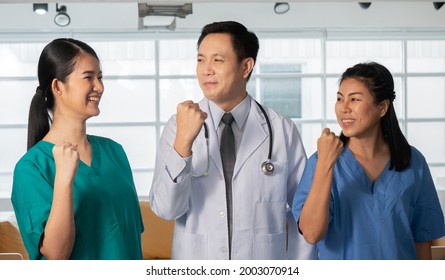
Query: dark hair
(245, 43)
(380, 83)
(56, 61)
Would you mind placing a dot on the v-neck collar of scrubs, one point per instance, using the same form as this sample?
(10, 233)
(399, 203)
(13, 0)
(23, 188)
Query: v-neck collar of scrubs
(382, 179)
(90, 170)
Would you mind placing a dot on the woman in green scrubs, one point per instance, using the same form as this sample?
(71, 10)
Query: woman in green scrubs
(73, 194)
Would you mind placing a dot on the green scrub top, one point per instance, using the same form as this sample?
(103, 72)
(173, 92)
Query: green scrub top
(106, 207)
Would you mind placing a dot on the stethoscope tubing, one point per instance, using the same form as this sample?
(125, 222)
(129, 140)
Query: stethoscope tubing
(269, 127)
(267, 167)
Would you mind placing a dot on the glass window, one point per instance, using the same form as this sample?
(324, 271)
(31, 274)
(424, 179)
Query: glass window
(331, 97)
(142, 181)
(174, 91)
(178, 57)
(311, 98)
(293, 97)
(6, 210)
(19, 59)
(127, 100)
(426, 97)
(303, 52)
(139, 142)
(343, 54)
(5, 187)
(12, 147)
(126, 58)
(16, 98)
(309, 133)
(438, 174)
(281, 94)
(425, 56)
(428, 138)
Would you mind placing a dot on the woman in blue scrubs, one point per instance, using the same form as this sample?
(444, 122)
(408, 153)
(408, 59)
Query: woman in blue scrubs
(368, 194)
(73, 194)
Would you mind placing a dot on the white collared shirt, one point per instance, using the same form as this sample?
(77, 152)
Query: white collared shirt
(239, 113)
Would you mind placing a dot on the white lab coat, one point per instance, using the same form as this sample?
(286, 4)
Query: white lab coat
(260, 202)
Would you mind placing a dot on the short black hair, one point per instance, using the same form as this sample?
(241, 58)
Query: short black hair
(245, 43)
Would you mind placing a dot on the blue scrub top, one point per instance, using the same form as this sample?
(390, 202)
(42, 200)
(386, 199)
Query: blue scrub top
(106, 208)
(376, 221)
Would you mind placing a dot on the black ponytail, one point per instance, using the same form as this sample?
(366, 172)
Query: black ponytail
(39, 119)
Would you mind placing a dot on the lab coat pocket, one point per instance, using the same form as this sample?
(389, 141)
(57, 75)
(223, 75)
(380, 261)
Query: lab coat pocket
(270, 230)
(270, 246)
(189, 246)
(270, 217)
(271, 187)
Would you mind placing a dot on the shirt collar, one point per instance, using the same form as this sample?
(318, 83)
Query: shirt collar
(240, 112)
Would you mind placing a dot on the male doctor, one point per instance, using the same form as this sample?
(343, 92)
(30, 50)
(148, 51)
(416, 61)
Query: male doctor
(249, 218)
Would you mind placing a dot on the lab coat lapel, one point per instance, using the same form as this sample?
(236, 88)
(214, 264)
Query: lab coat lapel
(254, 135)
(214, 153)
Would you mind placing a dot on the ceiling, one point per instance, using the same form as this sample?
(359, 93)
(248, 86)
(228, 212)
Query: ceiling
(202, 1)
(197, 1)
(116, 16)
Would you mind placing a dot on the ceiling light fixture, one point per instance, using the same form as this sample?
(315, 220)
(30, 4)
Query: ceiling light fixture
(40, 8)
(162, 16)
(364, 5)
(62, 18)
(438, 5)
(281, 8)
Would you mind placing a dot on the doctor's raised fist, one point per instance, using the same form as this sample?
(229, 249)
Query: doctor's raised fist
(189, 121)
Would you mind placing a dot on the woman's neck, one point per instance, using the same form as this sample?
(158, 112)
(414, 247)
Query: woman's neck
(68, 131)
(373, 154)
(368, 147)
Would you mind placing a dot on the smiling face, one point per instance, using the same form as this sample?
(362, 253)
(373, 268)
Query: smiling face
(221, 76)
(80, 94)
(357, 113)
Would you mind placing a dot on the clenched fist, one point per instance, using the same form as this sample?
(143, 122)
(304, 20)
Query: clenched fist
(189, 121)
(329, 147)
(66, 159)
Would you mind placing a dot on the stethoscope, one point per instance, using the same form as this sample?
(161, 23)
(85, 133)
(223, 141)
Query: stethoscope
(267, 166)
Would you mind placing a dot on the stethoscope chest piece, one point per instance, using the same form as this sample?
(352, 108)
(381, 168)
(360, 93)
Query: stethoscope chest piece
(267, 167)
